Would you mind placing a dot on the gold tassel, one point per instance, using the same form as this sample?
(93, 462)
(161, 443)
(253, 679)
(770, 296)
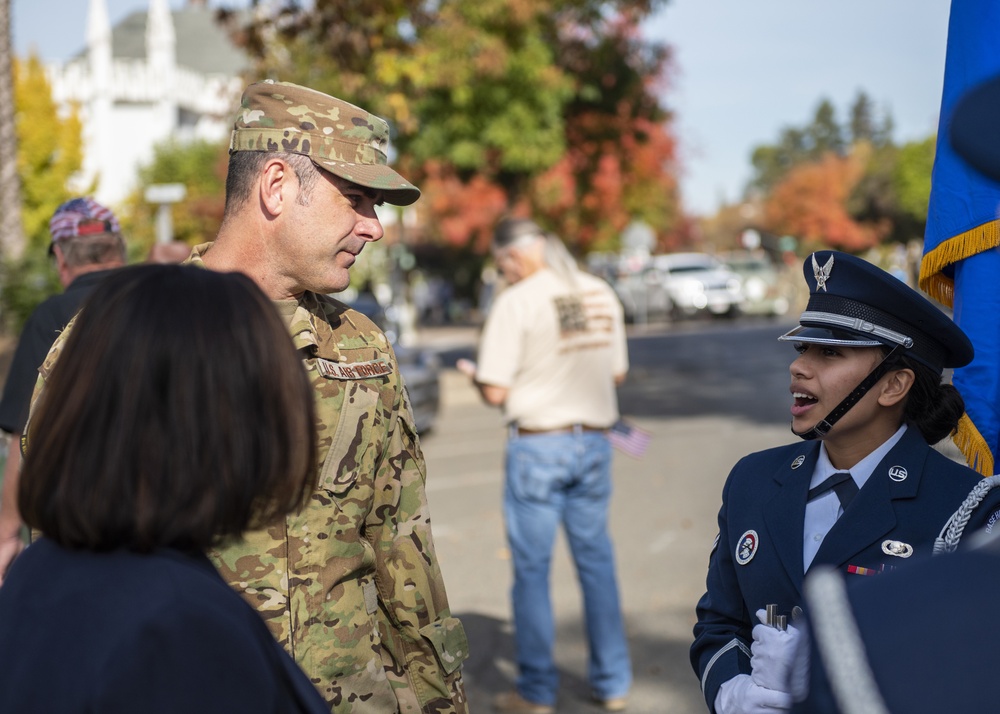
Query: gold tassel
(942, 288)
(964, 245)
(968, 439)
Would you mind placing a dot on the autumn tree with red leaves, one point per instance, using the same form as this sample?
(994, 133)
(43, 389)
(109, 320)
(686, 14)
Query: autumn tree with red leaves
(543, 108)
(810, 203)
(843, 186)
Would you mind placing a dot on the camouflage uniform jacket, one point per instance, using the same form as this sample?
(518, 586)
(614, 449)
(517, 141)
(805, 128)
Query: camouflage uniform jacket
(350, 585)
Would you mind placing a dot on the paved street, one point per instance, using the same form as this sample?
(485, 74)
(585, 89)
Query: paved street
(709, 394)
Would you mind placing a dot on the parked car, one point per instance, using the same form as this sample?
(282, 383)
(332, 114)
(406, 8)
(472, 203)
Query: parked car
(421, 369)
(698, 283)
(766, 289)
(642, 295)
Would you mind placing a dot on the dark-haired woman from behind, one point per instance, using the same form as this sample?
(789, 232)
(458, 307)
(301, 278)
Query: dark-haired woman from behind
(863, 493)
(178, 414)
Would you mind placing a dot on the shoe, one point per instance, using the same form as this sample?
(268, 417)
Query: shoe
(615, 704)
(514, 702)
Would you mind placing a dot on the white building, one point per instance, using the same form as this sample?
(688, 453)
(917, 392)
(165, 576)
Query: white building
(155, 75)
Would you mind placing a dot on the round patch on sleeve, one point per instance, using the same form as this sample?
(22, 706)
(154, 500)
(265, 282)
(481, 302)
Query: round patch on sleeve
(747, 547)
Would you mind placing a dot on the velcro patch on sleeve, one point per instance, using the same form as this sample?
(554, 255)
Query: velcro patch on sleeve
(353, 370)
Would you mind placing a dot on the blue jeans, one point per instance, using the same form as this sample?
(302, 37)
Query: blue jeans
(552, 479)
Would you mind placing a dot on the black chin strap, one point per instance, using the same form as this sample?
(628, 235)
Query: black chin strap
(823, 427)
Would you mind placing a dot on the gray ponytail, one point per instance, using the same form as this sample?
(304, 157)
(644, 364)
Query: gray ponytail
(558, 259)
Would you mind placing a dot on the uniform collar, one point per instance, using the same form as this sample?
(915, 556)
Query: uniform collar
(862, 470)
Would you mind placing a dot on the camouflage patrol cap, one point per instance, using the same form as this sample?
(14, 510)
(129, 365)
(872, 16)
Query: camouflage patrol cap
(339, 137)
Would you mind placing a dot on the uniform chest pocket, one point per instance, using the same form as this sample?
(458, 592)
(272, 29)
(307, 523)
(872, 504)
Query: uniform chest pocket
(345, 460)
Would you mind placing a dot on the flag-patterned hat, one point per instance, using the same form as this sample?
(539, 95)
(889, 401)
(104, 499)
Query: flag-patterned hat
(81, 217)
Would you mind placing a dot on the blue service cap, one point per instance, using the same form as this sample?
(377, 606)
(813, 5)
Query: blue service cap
(852, 303)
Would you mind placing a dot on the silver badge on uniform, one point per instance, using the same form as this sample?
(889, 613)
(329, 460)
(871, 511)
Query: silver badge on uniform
(746, 549)
(799, 460)
(897, 473)
(897, 548)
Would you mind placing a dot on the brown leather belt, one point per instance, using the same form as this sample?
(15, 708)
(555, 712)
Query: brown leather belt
(521, 431)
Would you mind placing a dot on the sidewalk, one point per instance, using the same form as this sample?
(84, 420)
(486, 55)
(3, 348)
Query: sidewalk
(450, 337)
(447, 337)
(663, 523)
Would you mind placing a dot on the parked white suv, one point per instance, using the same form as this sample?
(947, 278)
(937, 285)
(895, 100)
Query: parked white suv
(699, 283)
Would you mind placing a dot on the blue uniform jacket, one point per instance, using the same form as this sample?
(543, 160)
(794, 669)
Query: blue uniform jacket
(905, 622)
(909, 497)
(121, 632)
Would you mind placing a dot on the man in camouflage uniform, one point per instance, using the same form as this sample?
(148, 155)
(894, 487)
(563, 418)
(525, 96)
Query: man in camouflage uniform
(351, 584)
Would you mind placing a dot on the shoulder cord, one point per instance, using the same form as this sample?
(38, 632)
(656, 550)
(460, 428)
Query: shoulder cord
(951, 534)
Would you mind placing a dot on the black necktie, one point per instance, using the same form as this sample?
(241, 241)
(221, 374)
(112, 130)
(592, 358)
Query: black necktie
(841, 483)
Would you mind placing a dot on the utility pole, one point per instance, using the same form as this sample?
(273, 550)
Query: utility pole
(11, 228)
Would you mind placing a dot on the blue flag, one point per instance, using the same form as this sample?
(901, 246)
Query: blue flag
(961, 262)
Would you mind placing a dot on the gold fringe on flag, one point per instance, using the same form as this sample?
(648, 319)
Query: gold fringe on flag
(938, 285)
(942, 288)
(973, 445)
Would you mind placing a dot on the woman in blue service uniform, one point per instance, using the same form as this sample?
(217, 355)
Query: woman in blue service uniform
(863, 492)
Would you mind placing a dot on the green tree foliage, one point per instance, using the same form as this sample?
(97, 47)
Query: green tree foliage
(49, 154)
(772, 161)
(797, 145)
(497, 105)
(824, 135)
(620, 155)
(912, 176)
(50, 150)
(491, 96)
(201, 167)
(871, 190)
(866, 125)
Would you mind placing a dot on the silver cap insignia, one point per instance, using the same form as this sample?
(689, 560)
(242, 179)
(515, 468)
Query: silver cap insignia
(822, 274)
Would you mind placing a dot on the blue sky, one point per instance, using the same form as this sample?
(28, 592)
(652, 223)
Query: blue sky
(744, 69)
(747, 68)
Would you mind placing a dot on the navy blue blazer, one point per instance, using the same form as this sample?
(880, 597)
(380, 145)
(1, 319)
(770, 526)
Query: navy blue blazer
(757, 559)
(121, 632)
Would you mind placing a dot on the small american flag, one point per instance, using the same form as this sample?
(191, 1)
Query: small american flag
(629, 439)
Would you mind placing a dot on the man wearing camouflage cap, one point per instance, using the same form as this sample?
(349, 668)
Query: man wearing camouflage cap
(351, 584)
(86, 244)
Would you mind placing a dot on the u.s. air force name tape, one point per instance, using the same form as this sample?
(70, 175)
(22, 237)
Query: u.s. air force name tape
(354, 370)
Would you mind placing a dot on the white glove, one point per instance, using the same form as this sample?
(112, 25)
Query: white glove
(740, 695)
(773, 653)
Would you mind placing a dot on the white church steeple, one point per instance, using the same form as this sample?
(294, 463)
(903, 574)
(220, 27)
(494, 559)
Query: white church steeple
(160, 37)
(142, 82)
(162, 63)
(99, 45)
(97, 132)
